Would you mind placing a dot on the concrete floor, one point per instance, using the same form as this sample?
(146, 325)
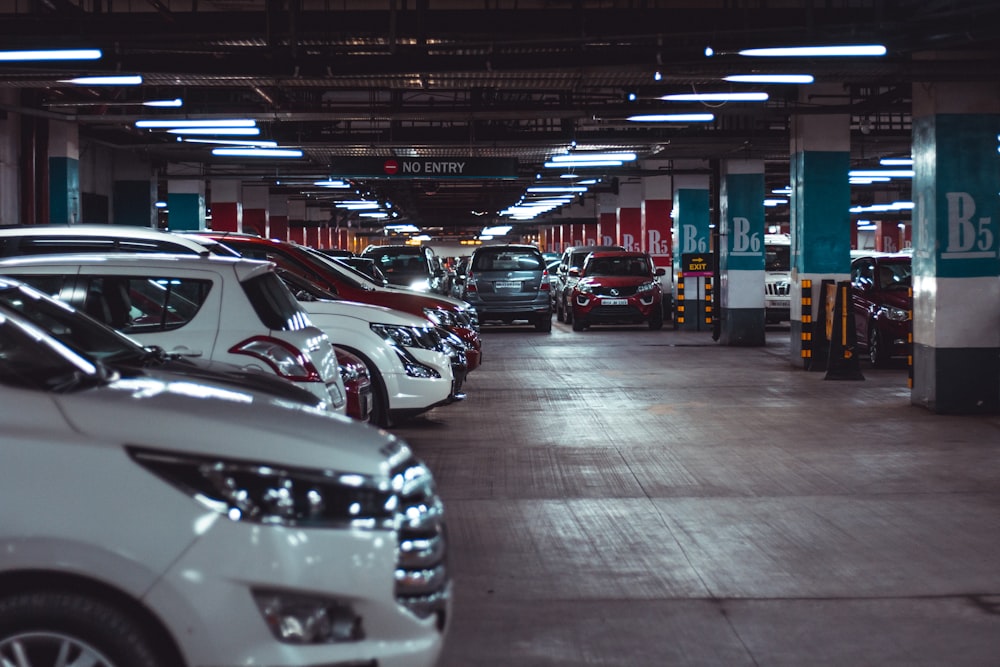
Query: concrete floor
(627, 497)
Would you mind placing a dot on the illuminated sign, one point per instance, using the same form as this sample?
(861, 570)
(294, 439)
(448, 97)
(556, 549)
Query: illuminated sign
(696, 264)
(432, 168)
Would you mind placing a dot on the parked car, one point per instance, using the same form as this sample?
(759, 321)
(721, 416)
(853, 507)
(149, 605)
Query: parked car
(357, 384)
(412, 369)
(413, 267)
(174, 524)
(615, 287)
(219, 308)
(91, 338)
(777, 278)
(508, 283)
(20, 240)
(454, 315)
(882, 298)
(572, 257)
(366, 266)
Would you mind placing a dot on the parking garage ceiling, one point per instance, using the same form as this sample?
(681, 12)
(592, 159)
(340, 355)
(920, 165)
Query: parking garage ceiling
(518, 80)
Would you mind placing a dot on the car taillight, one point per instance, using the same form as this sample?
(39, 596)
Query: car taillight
(470, 283)
(284, 359)
(545, 286)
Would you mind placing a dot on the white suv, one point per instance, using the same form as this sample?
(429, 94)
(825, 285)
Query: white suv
(219, 308)
(154, 523)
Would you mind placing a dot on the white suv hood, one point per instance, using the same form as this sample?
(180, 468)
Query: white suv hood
(216, 421)
(364, 311)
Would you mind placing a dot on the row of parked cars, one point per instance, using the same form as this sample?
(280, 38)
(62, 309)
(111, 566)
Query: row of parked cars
(185, 485)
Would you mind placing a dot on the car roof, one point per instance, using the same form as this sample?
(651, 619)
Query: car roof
(101, 231)
(617, 253)
(592, 248)
(137, 261)
(507, 246)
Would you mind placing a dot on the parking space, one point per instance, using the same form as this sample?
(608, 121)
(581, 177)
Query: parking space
(630, 497)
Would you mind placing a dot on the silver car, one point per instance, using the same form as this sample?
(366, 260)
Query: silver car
(507, 283)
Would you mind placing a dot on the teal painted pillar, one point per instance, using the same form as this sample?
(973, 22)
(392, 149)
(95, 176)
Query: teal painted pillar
(741, 253)
(692, 236)
(956, 266)
(820, 224)
(186, 205)
(64, 173)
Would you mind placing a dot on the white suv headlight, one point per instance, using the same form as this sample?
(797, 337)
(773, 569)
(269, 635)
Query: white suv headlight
(263, 493)
(424, 338)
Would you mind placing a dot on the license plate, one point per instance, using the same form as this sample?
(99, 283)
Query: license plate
(614, 302)
(779, 303)
(507, 284)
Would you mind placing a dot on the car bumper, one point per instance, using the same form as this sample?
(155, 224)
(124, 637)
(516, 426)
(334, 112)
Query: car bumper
(597, 309)
(413, 395)
(513, 310)
(206, 596)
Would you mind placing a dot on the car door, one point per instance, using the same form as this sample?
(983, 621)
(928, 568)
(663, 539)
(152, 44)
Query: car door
(862, 284)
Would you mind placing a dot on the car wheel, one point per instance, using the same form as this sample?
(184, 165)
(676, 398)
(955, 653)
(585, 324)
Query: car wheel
(380, 395)
(53, 628)
(543, 323)
(876, 349)
(656, 319)
(560, 311)
(579, 325)
(568, 314)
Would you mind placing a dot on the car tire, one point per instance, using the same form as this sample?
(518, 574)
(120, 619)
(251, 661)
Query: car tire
(543, 323)
(35, 626)
(380, 415)
(560, 311)
(579, 325)
(876, 347)
(656, 319)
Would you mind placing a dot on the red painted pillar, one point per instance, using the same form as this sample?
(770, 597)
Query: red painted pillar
(227, 208)
(255, 209)
(630, 216)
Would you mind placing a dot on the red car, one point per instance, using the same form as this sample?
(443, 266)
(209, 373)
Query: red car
(615, 287)
(357, 385)
(454, 315)
(883, 306)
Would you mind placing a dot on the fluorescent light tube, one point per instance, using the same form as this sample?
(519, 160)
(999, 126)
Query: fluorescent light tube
(233, 131)
(875, 173)
(165, 104)
(814, 51)
(593, 163)
(769, 78)
(672, 118)
(122, 80)
(573, 158)
(715, 97)
(896, 161)
(50, 54)
(259, 143)
(331, 184)
(556, 188)
(257, 152)
(178, 123)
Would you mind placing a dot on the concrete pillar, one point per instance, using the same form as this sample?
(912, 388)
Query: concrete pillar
(227, 205)
(691, 236)
(630, 215)
(10, 160)
(607, 218)
(255, 209)
(64, 173)
(186, 203)
(133, 191)
(656, 223)
(277, 219)
(956, 264)
(820, 221)
(741, 253)
(297, 220)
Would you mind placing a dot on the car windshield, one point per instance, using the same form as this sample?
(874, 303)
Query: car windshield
(778, 258)
(399, 265)
(73, 329)
(507, 260)
(31, 359)
(617, 266)
(894, 275)
(348, 274)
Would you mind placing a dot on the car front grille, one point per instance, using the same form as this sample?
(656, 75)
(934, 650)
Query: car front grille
(614, 291)
(422, 579)
(777, 289)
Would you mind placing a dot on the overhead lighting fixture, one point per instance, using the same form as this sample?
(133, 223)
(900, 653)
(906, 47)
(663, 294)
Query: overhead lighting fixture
(896, 162)
(851, 50)
(556, 188)
(358, 205)
(672, 118)
(259, 143)
(258, 152)
(787, 190)
(882, 208)
(165, 104)
(867, 180)
(328, 183)
(769, 78)
(775, 202)
(178, 123)
(118, 80)
(50, 54)
(402, 229)
(877, 173)
(574, 158)
(501, 230)
(592, 163)
(716, 97)
(222, 131)
(377, 215)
